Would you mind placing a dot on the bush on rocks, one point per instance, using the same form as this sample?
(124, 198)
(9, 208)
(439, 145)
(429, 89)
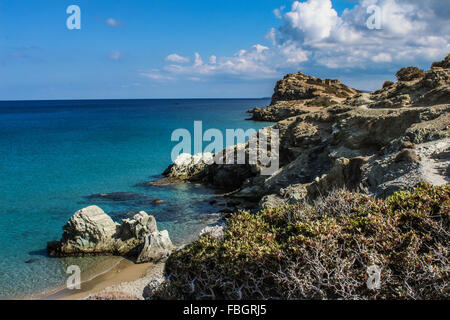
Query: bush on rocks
(442, 64)
(387, 84)
(409, 74)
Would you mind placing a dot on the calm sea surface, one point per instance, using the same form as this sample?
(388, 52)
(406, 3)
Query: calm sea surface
(55, 154)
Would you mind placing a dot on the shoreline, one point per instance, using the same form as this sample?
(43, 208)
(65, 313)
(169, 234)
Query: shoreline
(113, 272)
(93, 272)
(123, 272)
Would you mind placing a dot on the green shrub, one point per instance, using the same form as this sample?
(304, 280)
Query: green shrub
(442, 64)
(321, 102)
(387, 84)
(409, 74)
(323, 250)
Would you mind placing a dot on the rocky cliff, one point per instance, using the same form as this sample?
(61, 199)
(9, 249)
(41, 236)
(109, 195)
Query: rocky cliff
(375, 142)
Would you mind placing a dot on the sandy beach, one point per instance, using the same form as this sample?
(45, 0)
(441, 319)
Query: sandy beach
(125, 277)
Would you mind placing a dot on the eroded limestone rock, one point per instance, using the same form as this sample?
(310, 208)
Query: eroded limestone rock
(157, 246)
(91, 231)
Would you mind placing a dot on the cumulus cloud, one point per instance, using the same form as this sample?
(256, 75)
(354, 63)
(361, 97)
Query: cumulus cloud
(312, 33)
(271, 36)
(177, 58)
(382, 57)
(278, 12)
(257, 62)
(311, 21)
(213, 59)
(407, 33)
(247, 63)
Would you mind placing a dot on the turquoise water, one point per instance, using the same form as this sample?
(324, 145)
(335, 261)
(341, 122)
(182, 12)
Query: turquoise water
(55, 154)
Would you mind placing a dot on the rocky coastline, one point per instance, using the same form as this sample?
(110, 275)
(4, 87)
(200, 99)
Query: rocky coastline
(331, 137)
(378, 142)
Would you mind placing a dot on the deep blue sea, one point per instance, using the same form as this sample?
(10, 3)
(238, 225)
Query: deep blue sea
(55, 154)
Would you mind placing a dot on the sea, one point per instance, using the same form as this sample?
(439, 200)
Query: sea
(57, 157)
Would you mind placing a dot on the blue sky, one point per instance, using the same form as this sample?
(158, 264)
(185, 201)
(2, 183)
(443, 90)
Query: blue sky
(202, 48)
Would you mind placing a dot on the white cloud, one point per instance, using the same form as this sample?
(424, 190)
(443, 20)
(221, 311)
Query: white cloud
(382, 57)
(198, 62)
(177, 58)
(157, 75)
(259, 48)
(407, 35)
(311, 31)
(257, 62)
(271, 36)
(115, 55)
(312, 20)
(278, 12)
(113, 22)
(292, 54)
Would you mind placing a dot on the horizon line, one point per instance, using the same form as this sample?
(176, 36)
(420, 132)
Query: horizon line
(123, 99)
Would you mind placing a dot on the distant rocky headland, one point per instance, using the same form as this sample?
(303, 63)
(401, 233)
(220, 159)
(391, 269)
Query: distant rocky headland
(299, 93)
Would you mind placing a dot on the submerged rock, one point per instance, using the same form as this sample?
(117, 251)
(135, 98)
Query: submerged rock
(31, 260)
(118, 196)
(91, 231)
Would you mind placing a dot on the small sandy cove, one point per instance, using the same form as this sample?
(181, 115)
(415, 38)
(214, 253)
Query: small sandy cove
(125, 277)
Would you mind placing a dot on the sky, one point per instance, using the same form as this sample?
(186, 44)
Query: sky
(134, 49)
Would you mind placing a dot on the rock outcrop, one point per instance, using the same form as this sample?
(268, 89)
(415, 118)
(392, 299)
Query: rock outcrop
(189, 167)
(156, 247)
(375, 142)
(90, 231)
(299, 93)
(415, 88)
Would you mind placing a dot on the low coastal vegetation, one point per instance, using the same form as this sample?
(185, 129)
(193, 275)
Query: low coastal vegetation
(322, 250)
